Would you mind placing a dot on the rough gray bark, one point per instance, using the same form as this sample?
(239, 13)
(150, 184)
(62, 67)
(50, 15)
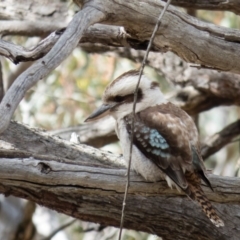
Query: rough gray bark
(176, 34)
(89, 184)
(230, 5)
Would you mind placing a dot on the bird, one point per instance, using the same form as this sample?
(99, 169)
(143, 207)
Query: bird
(165, 138)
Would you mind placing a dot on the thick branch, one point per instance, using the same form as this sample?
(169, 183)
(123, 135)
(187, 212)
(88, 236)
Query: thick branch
(230, 5)
(91, 188)
(1, 83)
(29, 28)
(96, 134)
(217, 47)
(58, 10)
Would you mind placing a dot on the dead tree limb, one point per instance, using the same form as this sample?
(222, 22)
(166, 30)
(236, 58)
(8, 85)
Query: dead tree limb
(29, 28)
(89, 184)
(213, 49)
(67, 42)
(215, 142)
(222, 5)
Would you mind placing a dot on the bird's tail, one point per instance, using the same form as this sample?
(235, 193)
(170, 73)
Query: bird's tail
(196, 193)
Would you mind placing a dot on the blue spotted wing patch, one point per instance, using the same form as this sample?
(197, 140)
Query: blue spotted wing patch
(148, 139)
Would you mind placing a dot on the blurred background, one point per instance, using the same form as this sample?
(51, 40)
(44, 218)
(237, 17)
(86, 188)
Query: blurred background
(64, 99)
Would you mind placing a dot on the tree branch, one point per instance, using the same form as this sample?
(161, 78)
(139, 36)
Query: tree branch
(41, 68)
(215, 142)
(213, 49)
(87, 184)
(223, 5)
(58, 10)
(30, 28)
(1, 83)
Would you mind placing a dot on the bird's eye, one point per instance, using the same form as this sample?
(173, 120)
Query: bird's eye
(118, 98)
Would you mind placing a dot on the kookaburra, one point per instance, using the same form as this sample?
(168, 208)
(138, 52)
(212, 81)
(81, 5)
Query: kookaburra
(165, 142)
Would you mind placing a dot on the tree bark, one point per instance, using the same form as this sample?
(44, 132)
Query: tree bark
(230, 5)
(89, 184)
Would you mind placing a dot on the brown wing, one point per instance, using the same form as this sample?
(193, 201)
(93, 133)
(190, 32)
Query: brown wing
(163, 136)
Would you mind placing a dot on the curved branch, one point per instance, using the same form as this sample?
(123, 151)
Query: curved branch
(87, 184)
(29, 28)
(177, 33)
(216, 48)
(215, 142)
(67, 42)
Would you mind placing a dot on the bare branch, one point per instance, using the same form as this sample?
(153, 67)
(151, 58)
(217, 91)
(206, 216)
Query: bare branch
(177, 33)
(19, 54)
(65, 225)
(20, 138)
(213, 49)
(85, 183)
(1, 83)
(230, 5)
(96, 134)
(68, 41)
(57, 11)
(214, 143)
(29, 28)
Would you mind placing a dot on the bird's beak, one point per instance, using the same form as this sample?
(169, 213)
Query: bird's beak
(101, 112)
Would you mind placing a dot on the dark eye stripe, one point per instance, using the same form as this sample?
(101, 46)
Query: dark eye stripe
(126, 98)
(118, 98)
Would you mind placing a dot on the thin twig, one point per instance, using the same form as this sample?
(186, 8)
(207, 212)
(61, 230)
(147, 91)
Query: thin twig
(1, 83)
(59, 229)
(133, 112)
(98, 229)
